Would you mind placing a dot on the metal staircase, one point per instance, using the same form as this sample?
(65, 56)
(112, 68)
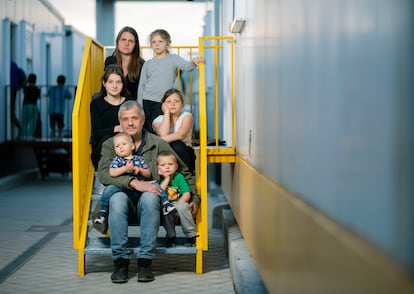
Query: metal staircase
(97, 244)
(219, 53)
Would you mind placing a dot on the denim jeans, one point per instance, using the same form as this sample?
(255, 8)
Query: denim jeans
(112, 189)
(163, 196)
(106, 195)
(146, 211)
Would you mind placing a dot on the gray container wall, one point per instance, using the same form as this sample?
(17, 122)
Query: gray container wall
(325, 88)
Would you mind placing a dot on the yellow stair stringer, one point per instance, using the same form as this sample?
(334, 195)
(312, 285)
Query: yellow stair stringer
(82, 169)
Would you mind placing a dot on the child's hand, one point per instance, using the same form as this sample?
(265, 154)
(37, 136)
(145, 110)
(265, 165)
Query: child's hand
(198, 59)
(166, 176)
(164, 108)
(137, 170)
(130, 166)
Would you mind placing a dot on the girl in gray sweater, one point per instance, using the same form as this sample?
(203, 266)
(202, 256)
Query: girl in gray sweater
(159, 73)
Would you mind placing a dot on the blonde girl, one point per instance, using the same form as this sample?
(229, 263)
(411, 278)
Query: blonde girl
(159, 73)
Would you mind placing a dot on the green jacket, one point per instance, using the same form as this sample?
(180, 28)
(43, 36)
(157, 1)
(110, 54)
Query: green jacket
(153, 146)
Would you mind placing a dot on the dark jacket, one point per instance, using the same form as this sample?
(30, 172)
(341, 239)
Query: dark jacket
(153, 146)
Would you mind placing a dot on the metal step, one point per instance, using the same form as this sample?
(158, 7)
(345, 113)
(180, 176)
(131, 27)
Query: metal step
(100, 246)
(96, 197)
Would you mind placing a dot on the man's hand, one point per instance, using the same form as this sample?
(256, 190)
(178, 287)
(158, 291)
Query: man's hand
(194, 209)
(145, 186)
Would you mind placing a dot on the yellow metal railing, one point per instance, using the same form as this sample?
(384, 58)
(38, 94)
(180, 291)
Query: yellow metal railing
(223, 59)
(187, 52)
(83, 172)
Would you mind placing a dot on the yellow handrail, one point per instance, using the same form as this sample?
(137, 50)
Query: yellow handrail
(82, 169)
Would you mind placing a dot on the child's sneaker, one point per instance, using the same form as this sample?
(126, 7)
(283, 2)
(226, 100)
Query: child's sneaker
(190, 242)
(170, 242)
(101, 217)
(168, 208)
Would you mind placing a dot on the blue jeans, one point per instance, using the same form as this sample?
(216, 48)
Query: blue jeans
(112, 189)
(163, 196)
(146, 211)
(106, 195)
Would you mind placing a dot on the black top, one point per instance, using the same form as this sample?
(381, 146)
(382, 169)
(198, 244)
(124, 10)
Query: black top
(31, 94)
(131, 85)
(104, 117)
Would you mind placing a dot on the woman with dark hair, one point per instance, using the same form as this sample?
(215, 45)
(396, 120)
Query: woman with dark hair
(127, 55)
(104, 109)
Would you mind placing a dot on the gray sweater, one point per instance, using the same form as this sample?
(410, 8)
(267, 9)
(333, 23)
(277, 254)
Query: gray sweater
(158, 76)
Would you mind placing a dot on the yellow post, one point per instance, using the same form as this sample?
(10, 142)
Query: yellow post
(202, 220)
(81, 263)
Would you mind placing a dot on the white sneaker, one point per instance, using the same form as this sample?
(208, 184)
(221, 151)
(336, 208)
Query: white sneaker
(167, 209)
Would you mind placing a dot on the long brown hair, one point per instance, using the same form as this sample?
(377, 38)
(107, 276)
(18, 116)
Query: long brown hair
(113, 69)
(171, 91)
(134, 67)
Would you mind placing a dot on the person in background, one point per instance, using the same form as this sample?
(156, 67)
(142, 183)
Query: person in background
(176, 126)
(30, 110)
(57, 101)
(159, 73)
(145, 209)
(127, 55)
(104, 109)
(17, 81)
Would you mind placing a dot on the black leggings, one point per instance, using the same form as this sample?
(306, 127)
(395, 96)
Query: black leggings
(186, 153)
(152, 109)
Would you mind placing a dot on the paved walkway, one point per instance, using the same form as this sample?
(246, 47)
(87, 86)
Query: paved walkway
(37, 255)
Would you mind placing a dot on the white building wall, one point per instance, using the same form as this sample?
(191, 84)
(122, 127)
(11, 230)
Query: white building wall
(33, 34)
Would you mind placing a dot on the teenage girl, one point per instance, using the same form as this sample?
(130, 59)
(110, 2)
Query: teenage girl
(104, 109)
